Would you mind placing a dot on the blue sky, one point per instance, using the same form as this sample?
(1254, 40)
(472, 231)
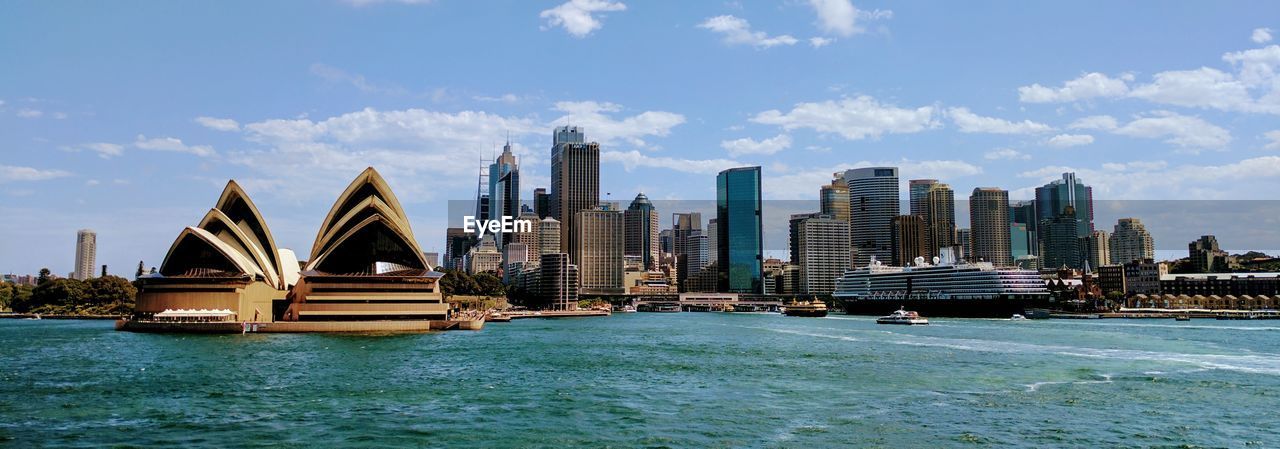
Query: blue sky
(128, 117)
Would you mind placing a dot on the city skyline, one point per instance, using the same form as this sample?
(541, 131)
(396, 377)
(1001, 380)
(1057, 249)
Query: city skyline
(131, 150)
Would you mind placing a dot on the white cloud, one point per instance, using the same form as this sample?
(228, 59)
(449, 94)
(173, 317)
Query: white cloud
(1204, 87)
(1257, 67)
(1274, 138)
(1006, 154)
(13, 173)
(852, 118)
(1190, 133)
(92, 182)
(218, 124)
(504, 98)
(746, 145)
(578, 17)
(1089, 85)
(609, 131)
(1261, 35)
(819, 42)
(335, 75)
(172, 144)
(30, 113)
(840, 17)
(974, 123)
(737, 31)
(1100, 122)
(359, 3)
(633, 159)
(1070, 140)
(104, 150)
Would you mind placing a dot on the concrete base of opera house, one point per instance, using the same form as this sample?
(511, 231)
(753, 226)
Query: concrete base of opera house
(298, 326)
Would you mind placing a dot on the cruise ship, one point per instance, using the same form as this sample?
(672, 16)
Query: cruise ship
(965, 289)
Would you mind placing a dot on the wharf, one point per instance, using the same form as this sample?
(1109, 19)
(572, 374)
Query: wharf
(557, 313)
(298, 326)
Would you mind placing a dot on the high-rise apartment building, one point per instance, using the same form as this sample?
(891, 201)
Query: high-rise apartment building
(908, 239)
(938, 213)
(541, 202)
(601, 242)
(873, 202)
(1130, 241)
(1097, 249)
(86, 253)
(822, 252)
(575, 181)
(740, 231)
(1060, 241)
(1206, 256)
(683, 226)
(834, 198)
(642, 231)
(558, 281)
(989, 226)
(549, 236)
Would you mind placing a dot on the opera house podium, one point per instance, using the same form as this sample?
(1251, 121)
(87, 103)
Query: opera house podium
(365, 273)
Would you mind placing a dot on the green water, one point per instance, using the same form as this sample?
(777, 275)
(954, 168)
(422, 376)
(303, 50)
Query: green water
(651, 380)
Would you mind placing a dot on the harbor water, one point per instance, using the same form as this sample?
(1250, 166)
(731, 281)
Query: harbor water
(651, 380)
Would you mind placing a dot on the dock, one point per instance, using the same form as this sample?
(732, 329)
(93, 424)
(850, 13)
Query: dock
(557, 313)
(231, 327)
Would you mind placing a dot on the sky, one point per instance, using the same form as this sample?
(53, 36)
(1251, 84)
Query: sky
(129, 117)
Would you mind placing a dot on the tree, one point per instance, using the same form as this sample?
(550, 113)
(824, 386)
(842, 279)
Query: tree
(44, 276)
(109, 290)
(489, 285)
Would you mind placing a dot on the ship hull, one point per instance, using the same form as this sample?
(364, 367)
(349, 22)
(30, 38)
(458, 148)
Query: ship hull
(806, 313)
(955, 308)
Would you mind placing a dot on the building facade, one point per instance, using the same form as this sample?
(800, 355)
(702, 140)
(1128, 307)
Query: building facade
(86, 253)
(873, 202)
(1130, 241)
(908, 240)
(822, 254)
(575, 181)
(600, 233)
(642, 231)
(740, 231)
(989, 226)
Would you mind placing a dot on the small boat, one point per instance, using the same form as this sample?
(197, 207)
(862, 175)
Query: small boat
(1017, 317)
(628, 309)
(1182, 318)
(902, 316)
(810, 309)
(497, 317)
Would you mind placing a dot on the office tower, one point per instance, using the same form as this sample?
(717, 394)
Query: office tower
(908, 240)
(1060, 241)
(740, 233)
(504, 190)
(86, 253)
(666, 242)
(558, 281)
(541, 203)
(530, 238)
(432, 258)
(918, 194)
(989, 226)
(484, 257)
(642, 231)
(684, 225)
(938, 212)
(873, 202)
(1024, 212)
(1097, 249)
(1019, 241)
(822, 252)
(1130, 241)
(1052, 202)
(834, 198)
(575, 181)
(713, 250)
(793, 235)
(513, 255)
(456, 244)
(964, 244)
(601, 242)
(1206, 256)
(701, 275)
(549, 236)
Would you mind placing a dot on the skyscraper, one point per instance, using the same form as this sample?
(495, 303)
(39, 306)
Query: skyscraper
(504, 190)
(1097, 249)
(873, 202)
(558, 281)
(600, 236)
(1053, 201)
(549, 236)
(908, 239)
(1206, 255)
(1025, 212)
(1060, 241)
(1130, 241)
(939, 218)
(834, 198)
(713, 250)
(456, 244)
(86, 253)
(918, 194)
(541, 203)
(530, 238)
(642, 231)
(964, 244)
(989, 225)
(822, 252)
(575, 181)
(740, 233)
(683, 226)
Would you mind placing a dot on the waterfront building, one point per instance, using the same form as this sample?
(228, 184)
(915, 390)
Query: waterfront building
(86, 253)
(822, 252)
(504, 190)
(512, 254)
(642, 231)
(541, 202)
(1111, 279)
(873, 202)
(600, 233)
(989, 226)
(740, 232)
(549, 236)
(684, 225)
(575, 182)
(908, 239)
(1130, 241)
(1060, 204)
(1221, 284)
(1096, 248)
(1143, 276)
(791, 282)
(964, 244)
(229, 261)
(1206, 256)
(939, 215)
(557, 284)
(713, 249)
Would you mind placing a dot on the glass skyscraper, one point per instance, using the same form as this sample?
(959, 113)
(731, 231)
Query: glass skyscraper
(740, 233)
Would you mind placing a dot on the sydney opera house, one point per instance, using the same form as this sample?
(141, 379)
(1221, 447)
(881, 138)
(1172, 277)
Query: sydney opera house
(365, 273)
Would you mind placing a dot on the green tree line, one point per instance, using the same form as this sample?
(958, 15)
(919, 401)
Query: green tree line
(105, 295)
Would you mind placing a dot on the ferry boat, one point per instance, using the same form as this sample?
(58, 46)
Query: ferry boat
(810, 309)
(941, 288)
(902, 316)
